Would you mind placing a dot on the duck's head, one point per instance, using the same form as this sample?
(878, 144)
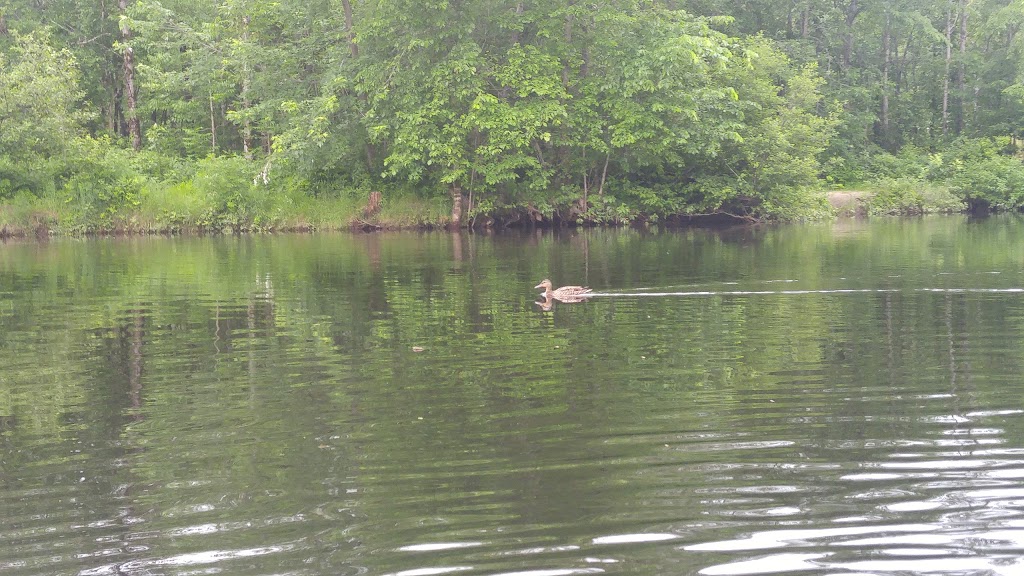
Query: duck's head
(546, 284)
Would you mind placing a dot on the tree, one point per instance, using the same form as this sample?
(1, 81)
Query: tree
(771, 168)
(40, 117)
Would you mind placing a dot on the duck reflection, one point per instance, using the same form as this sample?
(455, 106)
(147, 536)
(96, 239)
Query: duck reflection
(546, 304)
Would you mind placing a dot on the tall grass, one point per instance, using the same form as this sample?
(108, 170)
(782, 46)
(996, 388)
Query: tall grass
(206, 205)
(909, 196)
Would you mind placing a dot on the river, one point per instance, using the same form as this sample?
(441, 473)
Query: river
(835, 398)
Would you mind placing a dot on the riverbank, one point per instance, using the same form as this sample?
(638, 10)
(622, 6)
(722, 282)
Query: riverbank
(319, 216)
(165, 215)
(42, 217)
(896, 197)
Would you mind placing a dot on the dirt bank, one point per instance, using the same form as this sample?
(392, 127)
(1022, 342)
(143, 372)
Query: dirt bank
(849, 202)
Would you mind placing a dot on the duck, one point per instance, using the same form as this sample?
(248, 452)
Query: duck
(565, 293)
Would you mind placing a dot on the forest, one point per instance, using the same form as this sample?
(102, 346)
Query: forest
(249, 115)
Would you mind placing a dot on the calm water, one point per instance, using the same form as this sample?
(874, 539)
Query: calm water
(826, 399)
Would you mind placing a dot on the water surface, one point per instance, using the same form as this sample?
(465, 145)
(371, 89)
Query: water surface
(818, 399)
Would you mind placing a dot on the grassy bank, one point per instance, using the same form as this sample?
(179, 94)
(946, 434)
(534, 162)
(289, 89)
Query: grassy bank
(191, 209)
(179, 210)
(170, 212)
(896, 197)
(111, 191)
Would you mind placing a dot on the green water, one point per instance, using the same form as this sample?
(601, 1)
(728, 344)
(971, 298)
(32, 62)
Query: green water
(808, 399)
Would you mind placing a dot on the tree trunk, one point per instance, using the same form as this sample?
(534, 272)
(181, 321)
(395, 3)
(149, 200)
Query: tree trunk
(852, 10)
(118, 125)
(945, 77)
(111, 109)
(567, 37)
(131, 90)
(213, 127)
(884, 113)
(585, 51)
(519, 21)
(246, 86)
(604, 173)
(457, 206)
(901, 63)
(961, 73)
(353, 49)
(352, 46)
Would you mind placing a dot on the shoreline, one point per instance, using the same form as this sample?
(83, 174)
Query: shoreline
(42, 224)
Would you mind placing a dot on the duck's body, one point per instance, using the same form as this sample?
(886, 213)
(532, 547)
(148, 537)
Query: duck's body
(565, 293)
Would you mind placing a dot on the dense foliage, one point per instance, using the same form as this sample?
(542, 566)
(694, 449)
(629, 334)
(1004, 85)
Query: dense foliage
(249, 114)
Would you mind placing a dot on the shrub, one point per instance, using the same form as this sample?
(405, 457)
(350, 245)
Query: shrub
(991, 183)
(103, 187)
(174, 207)
(225, 186)
(907, 196)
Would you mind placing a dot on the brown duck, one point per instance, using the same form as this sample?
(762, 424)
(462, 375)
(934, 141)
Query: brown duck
(565, 293)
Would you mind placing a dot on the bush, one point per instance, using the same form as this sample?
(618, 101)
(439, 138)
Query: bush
(908, 165)
(174, 207)
(34, 175)
(906, 196)
(225, 186)
(996, 183)
(161, 167)
(103, 187)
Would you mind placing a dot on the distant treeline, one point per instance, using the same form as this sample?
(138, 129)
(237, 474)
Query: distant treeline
(250, 114)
